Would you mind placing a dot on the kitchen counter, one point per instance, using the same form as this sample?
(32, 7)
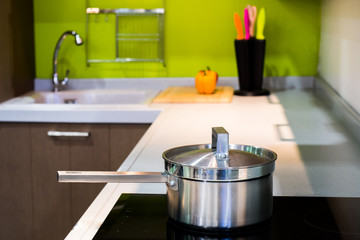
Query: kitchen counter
(316, 155)
(75, 113)
(21, 110)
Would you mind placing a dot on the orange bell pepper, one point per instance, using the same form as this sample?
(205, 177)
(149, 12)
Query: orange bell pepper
(205, 81)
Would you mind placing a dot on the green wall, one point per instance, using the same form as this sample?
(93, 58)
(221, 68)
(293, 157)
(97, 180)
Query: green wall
(198, 33)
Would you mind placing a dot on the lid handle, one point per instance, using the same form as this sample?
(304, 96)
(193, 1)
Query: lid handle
(220, 142)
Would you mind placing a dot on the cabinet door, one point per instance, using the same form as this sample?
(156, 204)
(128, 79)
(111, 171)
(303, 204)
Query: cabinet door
(88, 154)
(123, 138)
(31, 198)
(15, 182)
(52, 203)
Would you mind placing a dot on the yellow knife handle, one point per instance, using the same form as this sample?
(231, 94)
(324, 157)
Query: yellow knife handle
(260, 24)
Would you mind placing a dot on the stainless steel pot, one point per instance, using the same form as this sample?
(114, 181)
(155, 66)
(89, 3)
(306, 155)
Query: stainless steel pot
(209, 185)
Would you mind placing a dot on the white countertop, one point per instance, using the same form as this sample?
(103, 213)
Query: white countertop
(76, 113)
(21, 110)
(316, 155)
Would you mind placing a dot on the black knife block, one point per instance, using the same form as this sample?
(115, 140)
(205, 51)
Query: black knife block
(250, 55)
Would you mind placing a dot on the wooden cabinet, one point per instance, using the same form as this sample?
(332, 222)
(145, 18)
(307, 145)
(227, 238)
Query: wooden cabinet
(47, 156)
(123, 138)
(31, 197)
(15, 182)
(17, 52)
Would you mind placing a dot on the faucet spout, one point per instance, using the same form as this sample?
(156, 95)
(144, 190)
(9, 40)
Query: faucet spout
(57, 83)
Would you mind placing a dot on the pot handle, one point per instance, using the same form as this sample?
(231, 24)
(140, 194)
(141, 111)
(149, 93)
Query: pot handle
(112, 177)
(220, 142)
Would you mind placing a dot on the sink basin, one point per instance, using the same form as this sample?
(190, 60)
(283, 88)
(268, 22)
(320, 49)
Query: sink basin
(118, 96)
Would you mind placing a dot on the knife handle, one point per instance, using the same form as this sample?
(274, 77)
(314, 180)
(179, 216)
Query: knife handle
(238, 25)
(246, 24)
(260, 25)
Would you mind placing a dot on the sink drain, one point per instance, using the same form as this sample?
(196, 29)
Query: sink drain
(70, 101)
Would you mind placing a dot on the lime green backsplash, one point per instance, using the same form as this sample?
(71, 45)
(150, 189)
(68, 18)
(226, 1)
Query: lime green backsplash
(198, 33)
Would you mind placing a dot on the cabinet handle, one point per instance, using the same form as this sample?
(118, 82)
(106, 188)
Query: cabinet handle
(67, 134)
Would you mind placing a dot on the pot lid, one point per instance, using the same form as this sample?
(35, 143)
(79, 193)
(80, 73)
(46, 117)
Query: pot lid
(219, 161)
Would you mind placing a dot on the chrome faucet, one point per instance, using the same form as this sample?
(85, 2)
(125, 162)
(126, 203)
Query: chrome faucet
(57, 83)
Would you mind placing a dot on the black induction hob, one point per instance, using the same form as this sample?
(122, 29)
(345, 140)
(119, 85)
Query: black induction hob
(144, 216)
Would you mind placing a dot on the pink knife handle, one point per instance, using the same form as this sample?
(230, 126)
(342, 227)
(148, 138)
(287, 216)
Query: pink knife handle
(247, 24)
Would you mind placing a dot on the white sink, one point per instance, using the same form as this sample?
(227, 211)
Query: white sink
(118, 96)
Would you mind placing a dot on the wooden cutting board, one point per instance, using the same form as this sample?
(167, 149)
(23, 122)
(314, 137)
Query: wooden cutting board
(222, 94)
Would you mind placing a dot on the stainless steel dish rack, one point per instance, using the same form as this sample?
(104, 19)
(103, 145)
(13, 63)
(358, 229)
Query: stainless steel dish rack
(138, 33)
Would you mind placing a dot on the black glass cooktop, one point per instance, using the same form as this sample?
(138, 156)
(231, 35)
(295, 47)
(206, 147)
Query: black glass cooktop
(144, 216)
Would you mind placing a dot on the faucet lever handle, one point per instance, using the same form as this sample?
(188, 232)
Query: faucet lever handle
(66, 79)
